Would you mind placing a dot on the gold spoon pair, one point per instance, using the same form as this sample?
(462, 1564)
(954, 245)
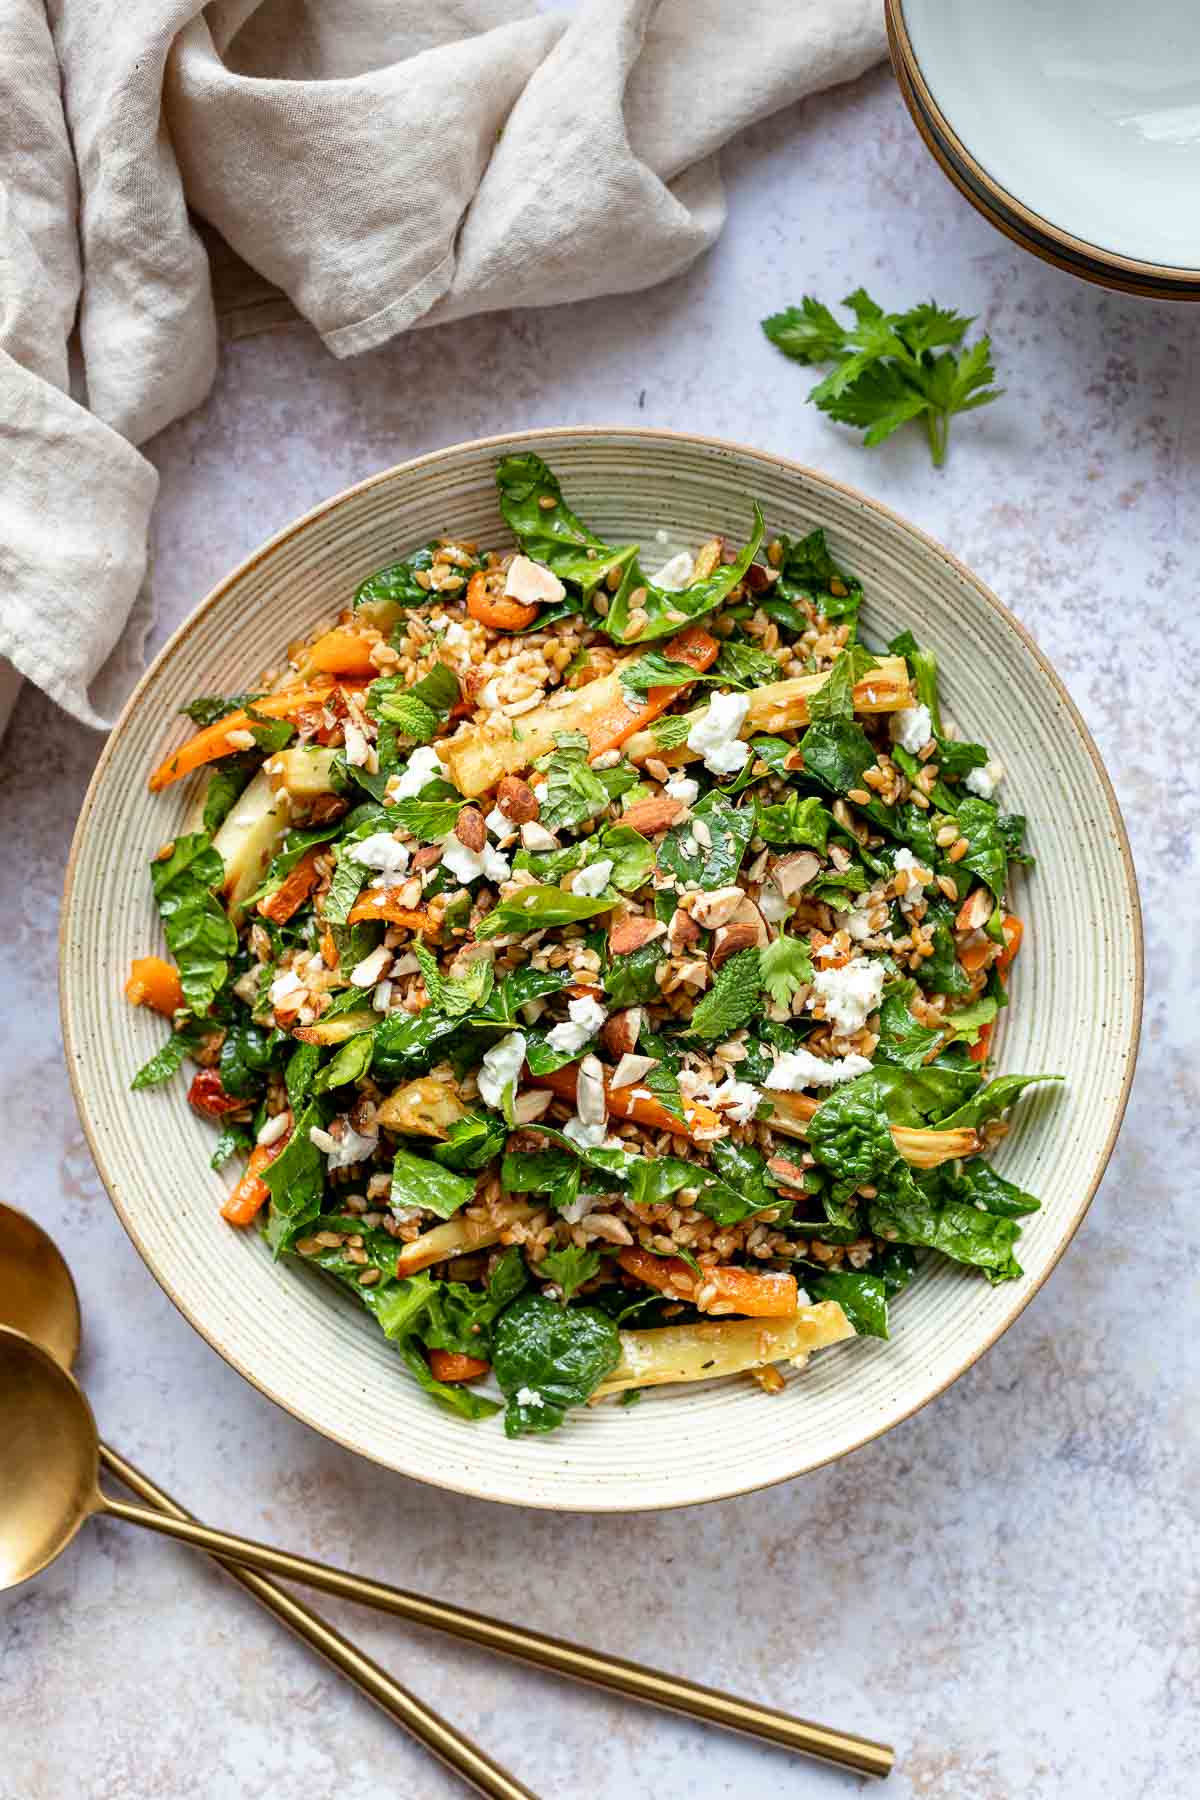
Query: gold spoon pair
(49, 1484)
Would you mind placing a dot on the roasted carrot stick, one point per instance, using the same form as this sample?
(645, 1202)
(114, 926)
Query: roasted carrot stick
(758, 1293)
(252, 1193)
(1014, 931)
(341, 652)
(377, 904)
(608, 730)
(452, 1365)
(154, 982)
(213, 741)
(297, 885)
(626, 1103)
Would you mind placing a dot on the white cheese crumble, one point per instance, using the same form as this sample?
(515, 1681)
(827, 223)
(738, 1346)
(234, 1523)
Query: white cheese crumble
(532, 583)
(580, 1207)
(381, 851)
(466, 865)
(500, 826)
(797, 1069)
(682, 787)
(585, 1017)
(772, 905)
(588, 1137)
(500, 1066)
(985, 781)
(456, 635)
(737, 1098)
(529, 1397)
(370, 970)
(857, 923)
(715, 733)
(912, 728)
(675, 573)
(849, 994)
(592, 881)
(422, 768)
(352, 1147)
(357, 747)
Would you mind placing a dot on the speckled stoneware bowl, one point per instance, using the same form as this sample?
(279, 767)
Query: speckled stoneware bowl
(1076, 988)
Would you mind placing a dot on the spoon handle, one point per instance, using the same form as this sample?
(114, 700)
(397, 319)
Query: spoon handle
(456, 1751)
(554, 1654)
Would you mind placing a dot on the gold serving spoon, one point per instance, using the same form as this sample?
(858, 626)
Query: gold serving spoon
(49, 1484)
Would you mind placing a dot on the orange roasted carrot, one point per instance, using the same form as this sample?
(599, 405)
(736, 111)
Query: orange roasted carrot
(975, 955)
(297, 885)
(342, 652)
(252, 1193)
(213, 741)
(756, 1293)
(377, 904)
(608, 730)
(979, 1049)
(452, 1365)
(154, 982)
(1014, 931)
(626, 1103)
(487, 602)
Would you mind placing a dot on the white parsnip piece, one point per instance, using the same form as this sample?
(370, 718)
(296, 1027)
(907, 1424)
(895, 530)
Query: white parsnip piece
(478, 757)
(459, 1235)
(423, 1108)
(783, 706)
(305, 773)
(923, 1149)
(701, 1352)
(337, 1030)
(250, 835)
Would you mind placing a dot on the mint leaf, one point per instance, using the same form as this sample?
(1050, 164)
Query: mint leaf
(732, 999)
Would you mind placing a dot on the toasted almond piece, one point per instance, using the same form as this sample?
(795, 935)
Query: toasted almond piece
(682, 931)
(632, 932)
(589, 1092)
(536, 837)
(632, 1069)
(653, 815)
(516, 799)
(619, 1033)
(791, 873)
(729, 940)
(975, 910)
(470, 829)
(530, 1105)
(784, 1169)
(427, 857)
(716, 908)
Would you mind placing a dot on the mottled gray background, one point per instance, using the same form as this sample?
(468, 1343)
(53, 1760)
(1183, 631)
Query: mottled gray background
(1006, 1585)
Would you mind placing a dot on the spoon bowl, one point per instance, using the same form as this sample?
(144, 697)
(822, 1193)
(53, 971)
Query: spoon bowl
(51, 1461)
(37, 1295)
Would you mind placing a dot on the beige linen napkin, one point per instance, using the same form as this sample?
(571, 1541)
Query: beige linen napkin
(387, 163)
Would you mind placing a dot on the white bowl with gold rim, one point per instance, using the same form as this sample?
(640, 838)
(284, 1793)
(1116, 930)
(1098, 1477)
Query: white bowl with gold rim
(1076, 988)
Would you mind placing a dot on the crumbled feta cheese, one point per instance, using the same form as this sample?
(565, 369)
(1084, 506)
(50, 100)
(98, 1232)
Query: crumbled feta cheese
(527, 1396)
(690, 846)
(580, 1207)
(381, 999)
(422, 768)
(585, 1017)
(682, 787)
(912, 728)
(500, 826)
(240, 740)
(985, 781)
(535, 837)
(501, 1065)
(772, 904)
(350, 1147)
(381, 851)
(825, 952)
(588, 1137)
(467, 865)
(366, 973)
(737, 1098)
(715, 733)
(850, 993)
(797, 1069)
(905, 859)
(540, 790)
(285, 987)
(593, 880)
(857, 923)
(357, 747)
(532, 583)
(675, 573)
(456, 635)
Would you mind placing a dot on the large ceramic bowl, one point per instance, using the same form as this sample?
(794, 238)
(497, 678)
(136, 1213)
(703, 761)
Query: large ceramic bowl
(1076, 988)
(1076, 140)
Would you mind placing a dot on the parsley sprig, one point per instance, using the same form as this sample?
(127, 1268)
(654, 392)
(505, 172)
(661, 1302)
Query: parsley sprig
(889, 367)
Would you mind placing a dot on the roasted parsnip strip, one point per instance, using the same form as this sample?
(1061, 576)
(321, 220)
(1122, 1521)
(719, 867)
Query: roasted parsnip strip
(924, 1149)
(701, 1352)
(459, 1235)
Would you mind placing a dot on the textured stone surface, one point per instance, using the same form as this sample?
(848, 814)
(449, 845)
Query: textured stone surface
(1006, 1585)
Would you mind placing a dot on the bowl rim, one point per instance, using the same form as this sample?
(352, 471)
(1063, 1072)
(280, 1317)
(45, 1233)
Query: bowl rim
(532, 438)
(1167, 281)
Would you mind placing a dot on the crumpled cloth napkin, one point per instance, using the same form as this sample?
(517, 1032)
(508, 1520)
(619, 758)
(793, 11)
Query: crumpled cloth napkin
(387, 163)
